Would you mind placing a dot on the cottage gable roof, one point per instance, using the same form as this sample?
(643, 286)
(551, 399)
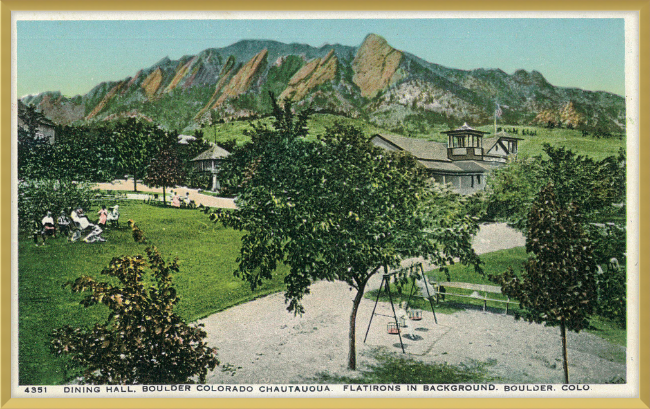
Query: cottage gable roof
(505, 135)
(421, 149)
(215, 152)
(489, 143)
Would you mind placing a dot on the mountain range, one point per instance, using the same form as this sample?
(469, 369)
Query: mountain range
(376, 82)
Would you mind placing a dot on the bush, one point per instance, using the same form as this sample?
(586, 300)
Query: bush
(37, 196)
(143, 341)
(609, 241)
(612, 296)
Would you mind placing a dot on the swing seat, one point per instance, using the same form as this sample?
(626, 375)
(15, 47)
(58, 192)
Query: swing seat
(415, 315)
(392, 328)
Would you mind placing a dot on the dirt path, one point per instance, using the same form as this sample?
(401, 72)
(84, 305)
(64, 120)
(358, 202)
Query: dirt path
(199, 198)
(260, 342)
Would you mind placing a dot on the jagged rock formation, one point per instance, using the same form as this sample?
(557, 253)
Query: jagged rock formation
(316, 72)
(152, 83)
(385, 86)
(566, 115)
(375, 65)
(241, 81)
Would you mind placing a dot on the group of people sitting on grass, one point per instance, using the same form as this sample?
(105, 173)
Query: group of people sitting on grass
(77, 225)
(177, 201)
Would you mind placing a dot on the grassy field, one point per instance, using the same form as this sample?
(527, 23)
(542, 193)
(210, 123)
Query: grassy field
(316, 125)
(569, 138)
(391, 369)
(528, 146)
(205, 283)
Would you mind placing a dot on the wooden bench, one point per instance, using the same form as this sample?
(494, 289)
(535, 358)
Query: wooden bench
(99, 197)
(481, 292)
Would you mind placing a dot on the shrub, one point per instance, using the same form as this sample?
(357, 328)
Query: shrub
(609, 241)
(37, 196)
(143, 341)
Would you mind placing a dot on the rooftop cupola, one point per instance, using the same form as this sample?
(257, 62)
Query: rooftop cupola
(465, 143)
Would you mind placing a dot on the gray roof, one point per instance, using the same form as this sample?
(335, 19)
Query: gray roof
(462, 166)
(438, 165)
(474, 166)
(506, 135)
(464, 129)
(421, 149)
(185, 139)
(488, 143)
(215, 152)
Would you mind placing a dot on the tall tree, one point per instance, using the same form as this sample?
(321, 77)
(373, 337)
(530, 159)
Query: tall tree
(336, 209)
(558, 285)
(31, 119)
(166, 169)
(136, 144)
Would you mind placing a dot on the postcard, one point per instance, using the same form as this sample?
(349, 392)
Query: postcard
(325, 204)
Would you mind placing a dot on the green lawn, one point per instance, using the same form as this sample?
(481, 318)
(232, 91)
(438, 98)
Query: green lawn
(572, 139)
(316, 126)
(205, 283)
(392, 369)
(528, 146)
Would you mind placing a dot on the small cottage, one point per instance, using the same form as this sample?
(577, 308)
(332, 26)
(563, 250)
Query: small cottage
(209, 161)
(463, 162)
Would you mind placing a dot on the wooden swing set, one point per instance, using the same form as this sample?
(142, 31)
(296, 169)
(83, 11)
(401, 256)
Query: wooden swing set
(394, 327)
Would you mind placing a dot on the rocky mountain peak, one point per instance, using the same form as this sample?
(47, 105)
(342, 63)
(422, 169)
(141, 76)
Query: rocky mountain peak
(385, 86)
(375, 65)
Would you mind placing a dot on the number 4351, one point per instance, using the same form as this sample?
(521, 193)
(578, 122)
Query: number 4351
(36, 389)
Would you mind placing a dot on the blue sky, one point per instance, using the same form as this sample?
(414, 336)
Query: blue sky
(74, 56)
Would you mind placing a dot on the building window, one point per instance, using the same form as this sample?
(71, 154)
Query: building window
(478, 179)
(472, 180)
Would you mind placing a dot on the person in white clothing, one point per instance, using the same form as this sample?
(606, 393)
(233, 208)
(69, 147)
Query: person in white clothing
(48, 226)
(83, 224)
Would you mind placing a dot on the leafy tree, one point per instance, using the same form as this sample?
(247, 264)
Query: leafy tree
(35, 161)
(31, 119)
(142, 341)
(136, 144)
(34, 156)
(85, 153)
(37, 196)
(165, 170)
(594, 186)
(558, 286)
(336, 209)
(512, 189)
(609, 241)
(229, 144)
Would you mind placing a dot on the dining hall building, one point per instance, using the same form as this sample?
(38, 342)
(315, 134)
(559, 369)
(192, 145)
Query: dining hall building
(463, 162)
